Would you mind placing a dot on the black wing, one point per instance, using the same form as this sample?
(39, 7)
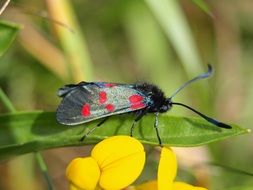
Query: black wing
(85, 102)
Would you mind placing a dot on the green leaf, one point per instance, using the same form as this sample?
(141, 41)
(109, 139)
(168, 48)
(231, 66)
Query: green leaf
(34, 131)
(8, 32)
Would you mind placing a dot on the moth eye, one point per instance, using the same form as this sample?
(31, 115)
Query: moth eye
(165, 107)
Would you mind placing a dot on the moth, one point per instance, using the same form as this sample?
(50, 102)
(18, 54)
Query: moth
(88, 101)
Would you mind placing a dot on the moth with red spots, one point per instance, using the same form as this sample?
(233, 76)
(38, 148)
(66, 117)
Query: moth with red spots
(88, 101)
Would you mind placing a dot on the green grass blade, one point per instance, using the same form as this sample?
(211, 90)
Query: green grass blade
(203, 6)
(6, 102)
(172, 20)
(39, 131)
(72, 42)
(8, 32)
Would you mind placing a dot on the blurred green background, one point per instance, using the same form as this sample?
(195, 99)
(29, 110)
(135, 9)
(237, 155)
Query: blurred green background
(163, 42)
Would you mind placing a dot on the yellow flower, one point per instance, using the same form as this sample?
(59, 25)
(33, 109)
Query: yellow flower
(167, 171)
(114, 164)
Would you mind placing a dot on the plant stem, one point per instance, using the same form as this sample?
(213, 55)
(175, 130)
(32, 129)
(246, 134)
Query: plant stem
(6, 101)
(43, 168)
(4, 6)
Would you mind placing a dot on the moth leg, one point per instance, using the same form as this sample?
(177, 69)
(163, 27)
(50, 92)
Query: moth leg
(139, 115)
(91, 130)
(102, 122)
(156, 128)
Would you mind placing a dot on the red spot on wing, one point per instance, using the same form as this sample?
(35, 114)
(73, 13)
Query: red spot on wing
(110, 107)
(109, 85)
(102, 97)
(136, 102)
(135, 98)
(86, 110)
(138, 105)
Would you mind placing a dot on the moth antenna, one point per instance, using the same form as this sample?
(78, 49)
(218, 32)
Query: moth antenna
(210, 120)
(201, 76)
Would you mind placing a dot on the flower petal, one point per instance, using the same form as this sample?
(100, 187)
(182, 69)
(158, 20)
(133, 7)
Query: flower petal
(121, 160)
(73, 187)
(184, 186)
(167, 169)
(150, 185)
(83, 173)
